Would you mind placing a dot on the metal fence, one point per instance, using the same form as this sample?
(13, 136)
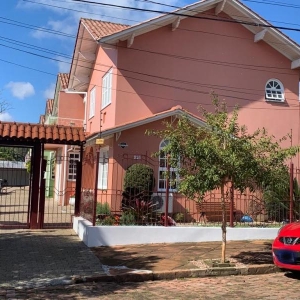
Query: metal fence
(115, 205)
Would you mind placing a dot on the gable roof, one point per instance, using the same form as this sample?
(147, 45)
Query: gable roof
(64, 79)
(99, 29)
(233, 8)
(174, 111)
(49, 106)
(42, 119)
(108, 33)
(85, 50)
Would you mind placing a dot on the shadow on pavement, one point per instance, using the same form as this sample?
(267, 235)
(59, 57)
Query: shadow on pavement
(293, 275)
(257, 257)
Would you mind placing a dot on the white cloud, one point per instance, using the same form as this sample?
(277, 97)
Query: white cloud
(6, 117)
(60, 29)
(49, 92)
(63, 64)
(68, 14)
(21, 90)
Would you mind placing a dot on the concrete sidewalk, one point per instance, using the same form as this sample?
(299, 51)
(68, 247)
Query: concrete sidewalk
(35, 258)
(31, 259)
(169, 261)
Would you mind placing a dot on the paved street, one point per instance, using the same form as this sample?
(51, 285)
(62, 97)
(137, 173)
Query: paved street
(270, 286)
(31, 258)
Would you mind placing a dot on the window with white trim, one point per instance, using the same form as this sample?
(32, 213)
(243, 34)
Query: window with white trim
(274, 91)
(103, 168)
(162, 181)
(92, 103)
(72, 169)
(106, 88)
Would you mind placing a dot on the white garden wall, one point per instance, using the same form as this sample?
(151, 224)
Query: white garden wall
(128, 235)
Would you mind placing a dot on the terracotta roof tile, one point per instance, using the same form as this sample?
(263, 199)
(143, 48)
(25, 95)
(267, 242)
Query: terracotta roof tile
(99, 29)
(44, 133)
(64, 80)
(49, 106)
(42, 119)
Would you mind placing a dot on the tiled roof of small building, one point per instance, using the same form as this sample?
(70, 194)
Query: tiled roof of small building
(44, 133)
(99, 29)
(49, 106)
(42, 119)
(64, 79)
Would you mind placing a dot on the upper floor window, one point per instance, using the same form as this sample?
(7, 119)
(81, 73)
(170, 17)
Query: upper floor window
(274, 90)
(163, 167)
(92, 103)
(106, 88)
(73, 158)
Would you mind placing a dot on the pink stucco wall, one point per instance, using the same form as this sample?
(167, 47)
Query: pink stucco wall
(70, 109)
(201, 56)
(106, 59)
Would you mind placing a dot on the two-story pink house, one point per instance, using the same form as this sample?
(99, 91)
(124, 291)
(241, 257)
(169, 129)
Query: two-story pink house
(137, 76)
(66, 109)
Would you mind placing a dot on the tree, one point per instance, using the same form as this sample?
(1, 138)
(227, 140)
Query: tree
(13, 153)
(223, 151)
(4, 105)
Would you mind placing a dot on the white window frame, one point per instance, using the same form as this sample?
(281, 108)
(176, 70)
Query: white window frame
(106, 89)
(103, 168)
(73, 157)
(92, 103)
(162, 169)
(274, 91)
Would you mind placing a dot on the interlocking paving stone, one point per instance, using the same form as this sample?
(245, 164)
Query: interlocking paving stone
(44, 257)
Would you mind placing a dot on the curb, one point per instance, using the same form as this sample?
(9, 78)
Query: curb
(179, 274)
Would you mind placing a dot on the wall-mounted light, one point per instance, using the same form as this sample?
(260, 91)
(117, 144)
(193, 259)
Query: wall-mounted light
(123, 145)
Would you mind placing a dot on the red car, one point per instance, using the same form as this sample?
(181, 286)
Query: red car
(286, 247)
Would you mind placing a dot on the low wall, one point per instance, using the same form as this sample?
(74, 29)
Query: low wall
(129, 235)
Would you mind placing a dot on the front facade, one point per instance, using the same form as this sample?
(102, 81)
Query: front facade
(136, 76)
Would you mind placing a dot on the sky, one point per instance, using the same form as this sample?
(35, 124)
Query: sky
(37, 42)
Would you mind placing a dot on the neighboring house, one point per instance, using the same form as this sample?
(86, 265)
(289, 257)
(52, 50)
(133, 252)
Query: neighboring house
(14, 172)
(136, 76)
(67, 109)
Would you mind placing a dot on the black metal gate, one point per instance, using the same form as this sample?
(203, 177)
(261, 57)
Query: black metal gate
(14, 187)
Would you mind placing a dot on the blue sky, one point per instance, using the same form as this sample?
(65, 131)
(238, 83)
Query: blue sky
(23, 45)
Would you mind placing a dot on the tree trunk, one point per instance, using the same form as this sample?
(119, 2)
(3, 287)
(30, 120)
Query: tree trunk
(223, 223)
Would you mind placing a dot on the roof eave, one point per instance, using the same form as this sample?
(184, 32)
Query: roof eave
(159, 21)
(111, 131)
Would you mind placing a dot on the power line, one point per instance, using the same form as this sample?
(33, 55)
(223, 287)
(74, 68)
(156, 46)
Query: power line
(26, 67)
(73, 36)
(190, 16)
(228, 89)
(82, 11)
(275, 3)
(164, 98)
(142, 74)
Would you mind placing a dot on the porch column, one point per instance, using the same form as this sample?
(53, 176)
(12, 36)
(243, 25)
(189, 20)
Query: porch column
(41, 212)
(36, 176)
(78, 183)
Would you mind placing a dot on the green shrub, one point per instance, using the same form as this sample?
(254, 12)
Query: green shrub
(103, 209)
(179, 217)
(139, 179)
(138, 188)
(108, 221)
(127, 218)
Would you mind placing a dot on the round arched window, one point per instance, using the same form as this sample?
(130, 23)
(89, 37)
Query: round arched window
(274, 90)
